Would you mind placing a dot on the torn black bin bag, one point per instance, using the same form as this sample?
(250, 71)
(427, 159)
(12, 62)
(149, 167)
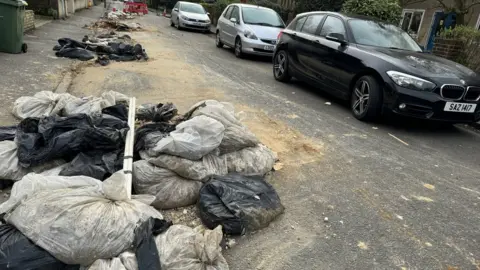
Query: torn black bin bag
(156, 113)
(106, 120)
(54, 137)
(146, 250)
(238, 203)
(17, 252)
(8, 133)
(149, 134)
(119, 110)
(75, 53)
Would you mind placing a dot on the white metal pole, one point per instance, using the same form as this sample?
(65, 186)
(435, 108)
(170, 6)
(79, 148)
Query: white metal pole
(129, 141)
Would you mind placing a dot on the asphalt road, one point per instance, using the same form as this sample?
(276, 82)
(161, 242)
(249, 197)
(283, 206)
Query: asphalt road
(398, 194)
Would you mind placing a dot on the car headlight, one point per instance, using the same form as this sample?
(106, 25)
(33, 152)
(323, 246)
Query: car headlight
(207, 21)
(409, 81)
(249, 34)
(184, 17)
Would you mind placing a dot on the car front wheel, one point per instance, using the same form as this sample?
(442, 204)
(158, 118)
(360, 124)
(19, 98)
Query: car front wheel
(280, 67)
(366, 100)
(238, 48)
(218, 41)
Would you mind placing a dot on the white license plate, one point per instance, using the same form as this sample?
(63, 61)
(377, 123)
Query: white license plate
(460, 107)
(196, 23)
(269, 48)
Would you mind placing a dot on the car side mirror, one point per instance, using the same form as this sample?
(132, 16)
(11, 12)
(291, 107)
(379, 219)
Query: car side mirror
(337, 37)
(175, 9)
(208, 14)
(234, 20)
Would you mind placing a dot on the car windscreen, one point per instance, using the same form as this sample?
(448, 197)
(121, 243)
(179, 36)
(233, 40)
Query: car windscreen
(380, 34)
(192, 8)
(261, 16)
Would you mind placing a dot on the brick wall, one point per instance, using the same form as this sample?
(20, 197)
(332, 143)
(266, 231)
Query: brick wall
(447, 48)
(28, 20)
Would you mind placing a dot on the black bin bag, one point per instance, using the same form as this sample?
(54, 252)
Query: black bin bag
(238, 203)
(19, 253)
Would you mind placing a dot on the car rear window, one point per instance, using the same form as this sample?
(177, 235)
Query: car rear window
(312, 23)
(298, 24)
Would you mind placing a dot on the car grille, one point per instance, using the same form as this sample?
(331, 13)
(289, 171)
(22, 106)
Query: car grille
(472, 94)
(451, 91)
(195, 20)
(269, 41)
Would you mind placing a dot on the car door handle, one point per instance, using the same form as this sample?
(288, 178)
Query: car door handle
(317, 41)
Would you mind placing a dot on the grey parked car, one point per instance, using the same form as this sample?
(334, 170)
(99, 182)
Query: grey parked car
(190, 15)
(249, 29)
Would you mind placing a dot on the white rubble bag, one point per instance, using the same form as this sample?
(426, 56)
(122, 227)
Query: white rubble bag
(199, 170)
(11, 170)
(237, 136)
(42, 104)
(251, 161)
(94, 105)
(191, 139)
(184, 248)
(77, 219)
(170, 189)
(126, 261)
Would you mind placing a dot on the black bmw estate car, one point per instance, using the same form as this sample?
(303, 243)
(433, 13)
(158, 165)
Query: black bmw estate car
(377, 66)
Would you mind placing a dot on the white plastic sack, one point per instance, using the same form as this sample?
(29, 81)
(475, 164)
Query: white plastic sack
(251, 161)
(77, 225)
(237, 136)
(44, 103)
(170, 189)
(126, 261)
(191, 139)
(184, 248)
(199, 170)
(11, 170)
(94, 105)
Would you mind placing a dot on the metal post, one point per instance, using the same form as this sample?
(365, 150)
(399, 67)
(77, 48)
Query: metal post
(129, 141)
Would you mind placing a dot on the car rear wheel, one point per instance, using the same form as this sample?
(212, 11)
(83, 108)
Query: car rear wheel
(366, 100)
(171, 23)
(218, 41)
(280, 67)
(238, 48)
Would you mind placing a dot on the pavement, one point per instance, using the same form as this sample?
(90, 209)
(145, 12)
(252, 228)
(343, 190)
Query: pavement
(395, 194)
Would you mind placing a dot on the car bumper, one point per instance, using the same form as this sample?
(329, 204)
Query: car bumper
(257, 47)
(426, 105)
(194, 25)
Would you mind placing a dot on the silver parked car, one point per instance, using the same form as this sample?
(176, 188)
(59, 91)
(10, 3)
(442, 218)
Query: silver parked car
(249, 29)
(190, 15)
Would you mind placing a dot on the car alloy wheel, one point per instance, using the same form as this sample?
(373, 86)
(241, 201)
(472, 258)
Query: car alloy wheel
(280, 67)
(238, 48)
(367, 101)
(218, 41)
(361, 97)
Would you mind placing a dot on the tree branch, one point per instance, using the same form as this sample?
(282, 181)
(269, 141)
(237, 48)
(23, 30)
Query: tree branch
(470, 6)
(442, 4)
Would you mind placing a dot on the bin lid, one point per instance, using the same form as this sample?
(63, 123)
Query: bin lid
(15, 3)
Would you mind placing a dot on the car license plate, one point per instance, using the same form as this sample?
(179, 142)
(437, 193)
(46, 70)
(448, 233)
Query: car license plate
(269, 48)
(196, 23)
(460, 107)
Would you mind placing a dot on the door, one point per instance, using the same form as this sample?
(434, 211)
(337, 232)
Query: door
(223, 24)
(175, 11)
(441, 21)
(331, 63)
(303, 45)
(231, 27)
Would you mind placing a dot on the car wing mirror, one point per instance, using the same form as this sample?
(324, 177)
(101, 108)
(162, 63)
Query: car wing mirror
(234, 20)
(175, 9)
(337, 37)
(208, 14)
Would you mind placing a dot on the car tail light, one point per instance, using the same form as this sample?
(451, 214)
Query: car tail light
(279, 36)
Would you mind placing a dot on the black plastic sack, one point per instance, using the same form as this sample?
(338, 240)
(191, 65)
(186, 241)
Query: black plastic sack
(156, 113)
(57, 137)
(150, 134)
(8, 133)
(95, 164)
(17, 252)
(106, 120)
(146, 250)
(119, 111)
(238, 203)
(75, 53)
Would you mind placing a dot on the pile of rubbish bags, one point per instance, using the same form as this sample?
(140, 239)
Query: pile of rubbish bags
(70, 205)
(108, 46)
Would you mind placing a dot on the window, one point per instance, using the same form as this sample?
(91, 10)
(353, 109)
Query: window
(312, 23)
(177, 5)
(228, 12)
(192, 8)
(333, 25)
(235, 14)
(412, 21)
(262, 16)
(298, 24)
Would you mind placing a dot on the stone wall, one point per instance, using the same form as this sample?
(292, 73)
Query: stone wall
(447, 48)
(28, 21)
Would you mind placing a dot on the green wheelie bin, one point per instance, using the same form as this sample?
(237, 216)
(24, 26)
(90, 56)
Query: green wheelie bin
(12, 13)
